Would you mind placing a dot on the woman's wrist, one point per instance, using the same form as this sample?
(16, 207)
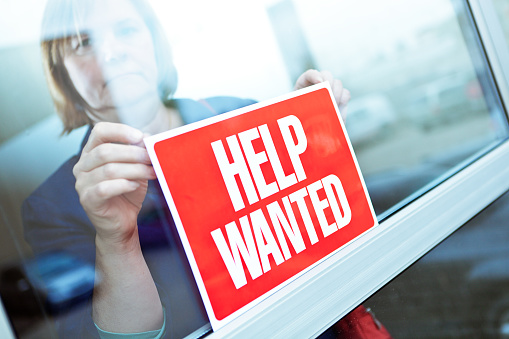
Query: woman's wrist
(125, 297)
(118, 245)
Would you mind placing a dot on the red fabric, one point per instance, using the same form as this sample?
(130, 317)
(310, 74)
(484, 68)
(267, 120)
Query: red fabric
(360, 324)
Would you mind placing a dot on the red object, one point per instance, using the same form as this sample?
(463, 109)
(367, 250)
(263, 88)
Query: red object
(360, 324)
(319, 173)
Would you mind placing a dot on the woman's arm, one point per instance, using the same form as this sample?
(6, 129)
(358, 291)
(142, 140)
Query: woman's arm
(111, 180)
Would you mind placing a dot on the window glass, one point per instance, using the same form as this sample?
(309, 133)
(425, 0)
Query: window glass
(459, 289)
(421, 99)
(423, 104)
(502, 9)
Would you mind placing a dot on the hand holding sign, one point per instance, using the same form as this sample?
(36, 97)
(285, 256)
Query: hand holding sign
(111, 180)
(313, 77)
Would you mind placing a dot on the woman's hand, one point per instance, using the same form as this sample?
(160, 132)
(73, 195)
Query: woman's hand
(111, 180)
(313, 77)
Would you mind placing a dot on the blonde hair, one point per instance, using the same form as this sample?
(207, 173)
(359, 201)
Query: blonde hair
(59, 26)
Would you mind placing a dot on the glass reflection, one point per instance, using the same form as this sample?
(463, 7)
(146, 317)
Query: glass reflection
(422, 103)
(422, 98)
(502, 9)
(459, 289)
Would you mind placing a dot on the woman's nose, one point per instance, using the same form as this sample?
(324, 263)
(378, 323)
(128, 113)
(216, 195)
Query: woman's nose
(112, 50)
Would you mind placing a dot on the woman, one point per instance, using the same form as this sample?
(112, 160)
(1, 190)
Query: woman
(108, 66)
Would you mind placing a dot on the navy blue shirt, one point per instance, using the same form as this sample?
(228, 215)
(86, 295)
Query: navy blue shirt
(54, 220)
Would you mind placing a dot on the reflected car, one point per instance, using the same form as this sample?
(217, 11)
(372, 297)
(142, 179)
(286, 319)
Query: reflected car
(55, 281)
(445, 100)
(368, 117)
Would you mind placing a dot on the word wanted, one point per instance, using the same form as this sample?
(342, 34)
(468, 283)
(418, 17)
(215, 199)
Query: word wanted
(258, 241)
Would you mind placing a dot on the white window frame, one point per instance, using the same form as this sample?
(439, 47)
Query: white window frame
(5, 327)
(309, 305)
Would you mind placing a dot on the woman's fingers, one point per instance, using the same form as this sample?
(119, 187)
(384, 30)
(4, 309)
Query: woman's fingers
(341, 96)
(112, 178)
(108, 132)
(111, 143)
(337, 90)
(312, 77)
(95, 196)
(113, 163)
(342, 105)
(110, 153)
(114, 171)
(308, 78)
(327, 76)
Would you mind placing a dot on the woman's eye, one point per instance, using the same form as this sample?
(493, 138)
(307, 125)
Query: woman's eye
(85, 42)
(81, 44)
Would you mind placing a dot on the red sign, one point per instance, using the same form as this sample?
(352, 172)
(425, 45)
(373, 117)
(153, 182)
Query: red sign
(261, 194)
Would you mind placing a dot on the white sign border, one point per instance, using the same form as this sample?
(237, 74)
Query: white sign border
(150, 142)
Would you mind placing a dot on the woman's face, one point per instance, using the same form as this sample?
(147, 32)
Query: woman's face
(111, 62)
